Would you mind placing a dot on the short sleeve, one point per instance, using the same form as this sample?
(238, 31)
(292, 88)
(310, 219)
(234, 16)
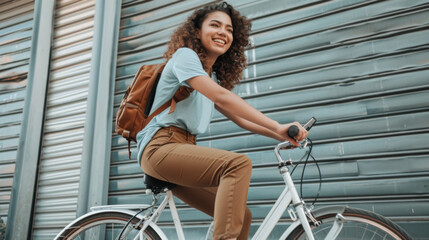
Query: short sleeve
(187, 65)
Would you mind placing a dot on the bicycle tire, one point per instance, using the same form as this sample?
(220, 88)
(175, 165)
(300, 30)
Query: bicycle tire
(100, 221)
(359, 224)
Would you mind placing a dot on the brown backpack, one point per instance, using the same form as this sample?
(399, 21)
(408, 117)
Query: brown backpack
(133, 114)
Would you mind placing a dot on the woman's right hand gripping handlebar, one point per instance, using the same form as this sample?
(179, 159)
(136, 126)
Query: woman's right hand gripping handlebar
(293, 132)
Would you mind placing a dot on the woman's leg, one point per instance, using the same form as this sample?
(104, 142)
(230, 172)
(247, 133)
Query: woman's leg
(203, 199)
(194, 166)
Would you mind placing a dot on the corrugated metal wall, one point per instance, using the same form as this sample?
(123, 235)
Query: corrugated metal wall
(59, 171)
(16, 23)
(360, 67)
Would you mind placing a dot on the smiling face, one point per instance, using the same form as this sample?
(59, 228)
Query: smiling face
(216, 34)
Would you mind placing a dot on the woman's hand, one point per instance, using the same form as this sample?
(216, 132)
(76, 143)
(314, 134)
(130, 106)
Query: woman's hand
(302, 133)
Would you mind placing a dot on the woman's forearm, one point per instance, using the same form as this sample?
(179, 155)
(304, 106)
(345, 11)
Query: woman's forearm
(236, 105)
(261, 130)
(243, 123)
(232, 103)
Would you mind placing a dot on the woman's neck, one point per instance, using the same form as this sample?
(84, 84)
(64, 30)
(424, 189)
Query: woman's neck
(210, 61)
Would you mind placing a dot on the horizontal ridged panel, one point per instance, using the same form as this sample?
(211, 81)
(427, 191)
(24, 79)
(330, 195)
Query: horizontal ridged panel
(59, 172)
(16, 23)
(359, 67)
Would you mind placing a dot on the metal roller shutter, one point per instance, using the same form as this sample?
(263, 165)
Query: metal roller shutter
(16, 23)
(360, 67)
(58, 181)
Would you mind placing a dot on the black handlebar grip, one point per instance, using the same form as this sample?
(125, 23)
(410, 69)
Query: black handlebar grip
(293, 131)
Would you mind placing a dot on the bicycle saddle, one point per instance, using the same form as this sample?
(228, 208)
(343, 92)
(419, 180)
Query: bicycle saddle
(157, 185)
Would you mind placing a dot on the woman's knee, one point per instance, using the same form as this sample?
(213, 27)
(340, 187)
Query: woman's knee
(239, 163)
(244, 162)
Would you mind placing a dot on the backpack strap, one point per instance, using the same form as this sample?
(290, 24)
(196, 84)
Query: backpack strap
(181, 94)
(148, 119)
(157, 112)
(129, 148)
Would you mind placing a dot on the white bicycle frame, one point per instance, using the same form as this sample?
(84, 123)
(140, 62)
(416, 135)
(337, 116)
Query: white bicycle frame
(288, 196)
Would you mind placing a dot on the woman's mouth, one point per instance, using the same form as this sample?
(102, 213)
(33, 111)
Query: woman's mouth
(219, 42)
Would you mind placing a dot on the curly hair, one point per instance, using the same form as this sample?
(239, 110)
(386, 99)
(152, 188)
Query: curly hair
(229, 66)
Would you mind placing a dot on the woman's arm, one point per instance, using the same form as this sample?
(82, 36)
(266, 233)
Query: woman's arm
(231, 105)
(243, 123)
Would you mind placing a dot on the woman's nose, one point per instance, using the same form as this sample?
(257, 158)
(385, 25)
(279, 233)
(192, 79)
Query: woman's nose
(222, 31)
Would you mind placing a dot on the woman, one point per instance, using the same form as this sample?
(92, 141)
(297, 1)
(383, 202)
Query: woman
(212, 180)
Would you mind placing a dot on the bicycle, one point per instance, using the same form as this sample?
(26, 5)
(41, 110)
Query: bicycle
(333, 222)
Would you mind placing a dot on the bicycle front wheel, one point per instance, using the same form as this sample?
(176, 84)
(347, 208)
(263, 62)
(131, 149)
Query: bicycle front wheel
(358, 224)
(107, 225)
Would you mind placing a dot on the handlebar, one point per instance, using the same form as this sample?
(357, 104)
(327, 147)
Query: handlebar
(292, 132)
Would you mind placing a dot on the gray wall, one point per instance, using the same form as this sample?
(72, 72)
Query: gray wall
(65, 116)
(16, 30)
(360, 67)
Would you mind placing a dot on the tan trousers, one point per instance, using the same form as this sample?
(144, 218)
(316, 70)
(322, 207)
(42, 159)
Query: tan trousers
(213, 181)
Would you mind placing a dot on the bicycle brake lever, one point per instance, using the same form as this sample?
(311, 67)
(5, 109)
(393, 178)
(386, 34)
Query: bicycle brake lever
(305, 144)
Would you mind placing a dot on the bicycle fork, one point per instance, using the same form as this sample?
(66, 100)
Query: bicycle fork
(298, 204)
(336, 228)
(304, 213)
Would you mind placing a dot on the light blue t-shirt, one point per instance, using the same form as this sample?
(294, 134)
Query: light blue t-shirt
(193, 113)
